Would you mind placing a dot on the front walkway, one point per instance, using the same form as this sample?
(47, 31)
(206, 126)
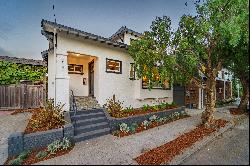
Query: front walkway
(117, 151)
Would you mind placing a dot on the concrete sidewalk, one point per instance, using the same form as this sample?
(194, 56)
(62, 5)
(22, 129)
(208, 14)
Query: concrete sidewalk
(117, 151)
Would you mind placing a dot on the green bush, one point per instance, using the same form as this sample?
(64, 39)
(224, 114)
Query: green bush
(57, 145)
(24, 155)
(41, 154)
(16, 161)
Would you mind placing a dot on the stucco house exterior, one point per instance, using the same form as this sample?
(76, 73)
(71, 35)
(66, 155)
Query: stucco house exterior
(95, 67)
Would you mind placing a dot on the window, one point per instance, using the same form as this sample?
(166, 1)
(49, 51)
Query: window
(156, 85)
(132, 71)
(75, 69)
(113, 66)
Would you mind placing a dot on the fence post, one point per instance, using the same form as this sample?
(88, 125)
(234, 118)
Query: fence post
(24, 91)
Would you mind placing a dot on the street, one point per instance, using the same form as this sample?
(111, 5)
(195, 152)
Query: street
(231, 148)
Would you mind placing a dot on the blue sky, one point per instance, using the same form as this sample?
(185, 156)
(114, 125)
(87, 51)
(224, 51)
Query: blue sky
(20, 20)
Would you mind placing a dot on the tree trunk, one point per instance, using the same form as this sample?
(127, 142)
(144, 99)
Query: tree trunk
(244, 98)
(207, 116)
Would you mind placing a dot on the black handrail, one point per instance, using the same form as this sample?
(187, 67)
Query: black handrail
(73, 102)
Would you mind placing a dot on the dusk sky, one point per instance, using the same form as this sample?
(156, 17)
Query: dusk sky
(20, 20)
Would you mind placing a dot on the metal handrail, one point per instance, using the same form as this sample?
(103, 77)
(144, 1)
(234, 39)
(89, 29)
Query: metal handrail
(73, 102)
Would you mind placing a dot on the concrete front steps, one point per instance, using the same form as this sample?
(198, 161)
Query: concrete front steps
(89, 124)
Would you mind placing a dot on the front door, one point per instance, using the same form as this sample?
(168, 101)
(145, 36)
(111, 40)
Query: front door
(91, 78)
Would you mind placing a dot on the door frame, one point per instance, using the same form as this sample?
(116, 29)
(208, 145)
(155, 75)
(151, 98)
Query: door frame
(89, 78)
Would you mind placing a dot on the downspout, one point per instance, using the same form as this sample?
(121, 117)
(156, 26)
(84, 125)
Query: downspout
(54, 43)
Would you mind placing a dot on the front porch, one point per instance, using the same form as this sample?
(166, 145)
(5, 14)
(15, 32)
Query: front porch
(81, 72)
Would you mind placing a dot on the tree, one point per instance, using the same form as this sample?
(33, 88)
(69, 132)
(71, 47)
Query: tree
(237, 33)
(194, 52)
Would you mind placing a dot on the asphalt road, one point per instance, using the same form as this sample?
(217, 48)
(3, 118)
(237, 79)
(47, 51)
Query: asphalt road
(231, 148)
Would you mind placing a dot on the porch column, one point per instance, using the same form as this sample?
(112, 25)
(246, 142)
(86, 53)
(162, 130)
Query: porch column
(62, 81)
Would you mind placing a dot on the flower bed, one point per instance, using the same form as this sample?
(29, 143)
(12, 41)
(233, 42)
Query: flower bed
(50, 117)
(165, 153)
(57, 148)
(152, 122)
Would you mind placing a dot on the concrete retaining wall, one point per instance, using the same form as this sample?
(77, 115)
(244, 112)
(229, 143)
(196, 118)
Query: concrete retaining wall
(18, 142)
(114, 122)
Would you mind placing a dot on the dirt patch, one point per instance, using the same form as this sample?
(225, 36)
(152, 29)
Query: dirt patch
(31, 159)
(166, 152)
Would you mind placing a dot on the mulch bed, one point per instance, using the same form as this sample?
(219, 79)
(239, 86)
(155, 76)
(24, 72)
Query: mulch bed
(141, 128)
(165, 153)
(17, 111)
(236, 111)
(140, 111)
(32, 157)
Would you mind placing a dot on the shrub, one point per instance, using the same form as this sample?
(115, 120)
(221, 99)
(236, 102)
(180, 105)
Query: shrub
(41, 154)
(65, 144)
(16, 161)
(54, 146)
(145, 124)
(124, 127)
(24, 154)
(145, 107)
(114, 107)
(50, 117)
(133, 127)
(155, 107)
(153, 118)
(128, 109)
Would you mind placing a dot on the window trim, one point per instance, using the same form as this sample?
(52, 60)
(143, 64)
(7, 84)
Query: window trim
(120, 72)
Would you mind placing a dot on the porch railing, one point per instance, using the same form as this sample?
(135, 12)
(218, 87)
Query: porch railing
(74, 106)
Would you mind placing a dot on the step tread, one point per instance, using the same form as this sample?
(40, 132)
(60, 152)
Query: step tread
(92, 125)
(91, 133)
(90, 119)
(87, 114)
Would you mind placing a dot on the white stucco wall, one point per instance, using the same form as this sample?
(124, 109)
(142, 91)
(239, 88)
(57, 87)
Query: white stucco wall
(128, 37)
(107, 84)
(51, 76)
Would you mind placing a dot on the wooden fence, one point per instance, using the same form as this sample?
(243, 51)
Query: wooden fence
(22, 96)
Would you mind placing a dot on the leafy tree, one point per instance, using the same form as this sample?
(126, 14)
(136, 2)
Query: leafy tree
(194, 52)
(237, 32)
(11, 73)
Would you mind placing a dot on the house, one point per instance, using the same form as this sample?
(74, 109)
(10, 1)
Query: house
(95, 68)
(25, 61)
(195, 97)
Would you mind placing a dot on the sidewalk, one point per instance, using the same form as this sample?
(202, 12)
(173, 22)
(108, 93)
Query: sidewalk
(117, 151)
(10, 124)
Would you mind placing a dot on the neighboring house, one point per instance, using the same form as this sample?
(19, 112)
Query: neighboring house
(195, 96)
(91, 65)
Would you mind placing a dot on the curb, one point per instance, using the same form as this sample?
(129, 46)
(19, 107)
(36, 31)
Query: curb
(200, 144)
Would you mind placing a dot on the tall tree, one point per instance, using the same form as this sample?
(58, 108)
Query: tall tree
(237, 34)
(194, 52)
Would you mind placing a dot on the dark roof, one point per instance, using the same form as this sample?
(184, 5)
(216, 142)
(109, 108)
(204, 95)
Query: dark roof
(80, 33)
(23, 61)
(123, 30)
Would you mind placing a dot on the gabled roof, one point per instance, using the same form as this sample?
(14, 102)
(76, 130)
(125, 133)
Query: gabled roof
(23, 61)
(123, 30)
(48, 24)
